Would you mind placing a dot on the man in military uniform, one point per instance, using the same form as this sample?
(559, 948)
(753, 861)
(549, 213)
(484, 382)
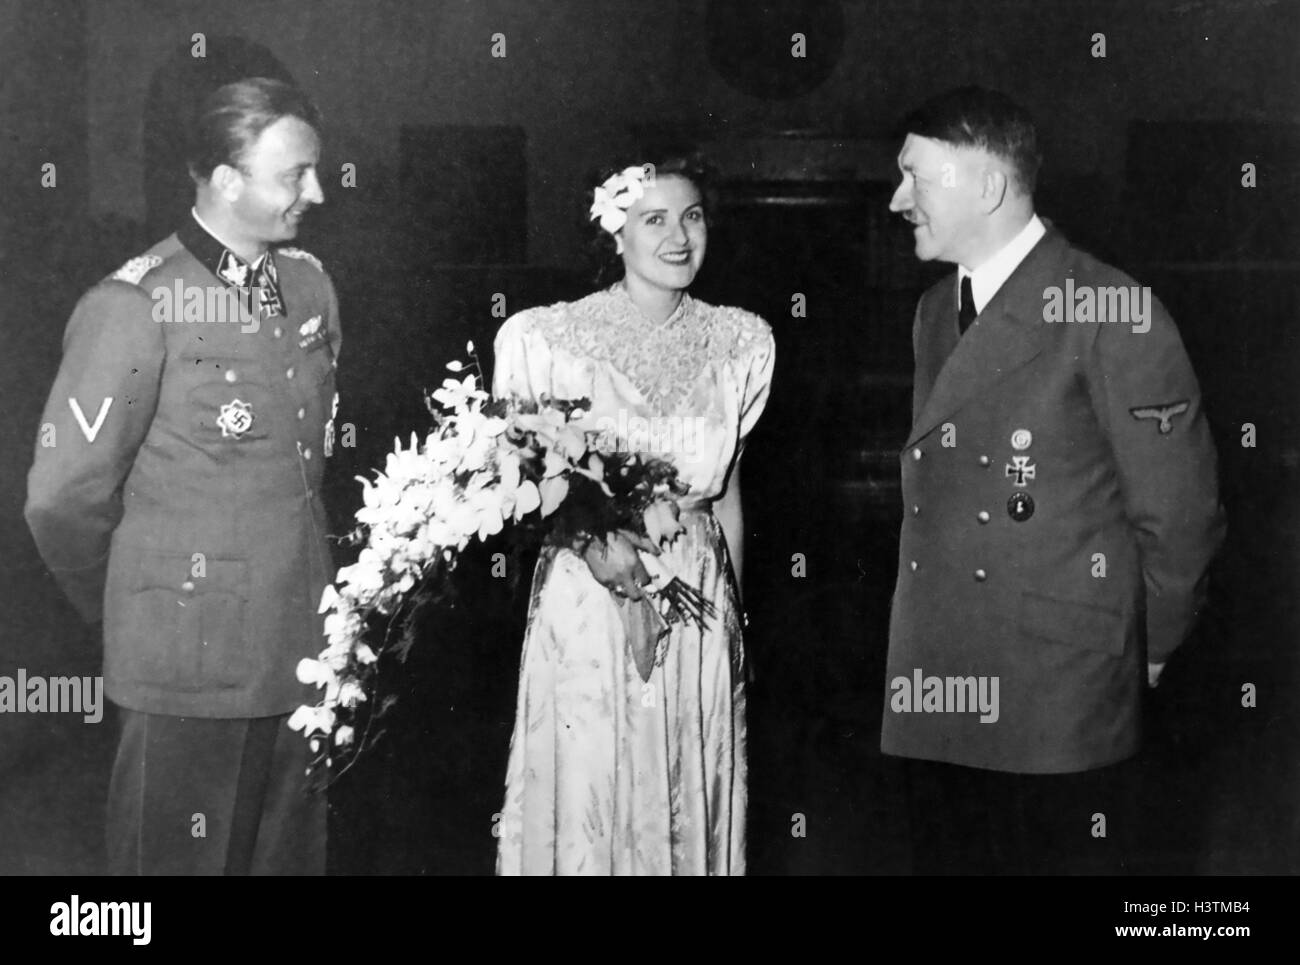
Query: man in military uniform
(1060, 510)
(176, 496)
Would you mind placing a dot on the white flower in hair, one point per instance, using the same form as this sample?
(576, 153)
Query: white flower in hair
(619, 192)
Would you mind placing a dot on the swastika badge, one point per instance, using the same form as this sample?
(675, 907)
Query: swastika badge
(1021, 440)
(1021, 470)
(234, 419)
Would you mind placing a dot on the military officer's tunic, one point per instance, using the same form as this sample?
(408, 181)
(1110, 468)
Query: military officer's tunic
(1059, 489)
(180, 499)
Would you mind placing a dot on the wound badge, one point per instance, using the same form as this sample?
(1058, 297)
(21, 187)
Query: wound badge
(1165, 412)
(1020, 506)
(1021, 440)
(235, 419)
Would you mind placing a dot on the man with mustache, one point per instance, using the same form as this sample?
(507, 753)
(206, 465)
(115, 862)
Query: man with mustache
(1060, 510)
(176, 497)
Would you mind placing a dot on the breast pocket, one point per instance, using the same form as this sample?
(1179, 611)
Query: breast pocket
(228, 399)
(189, 617)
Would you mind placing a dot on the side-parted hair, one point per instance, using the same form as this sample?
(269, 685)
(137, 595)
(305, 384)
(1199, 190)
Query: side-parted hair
(232, 117)
(974, 117)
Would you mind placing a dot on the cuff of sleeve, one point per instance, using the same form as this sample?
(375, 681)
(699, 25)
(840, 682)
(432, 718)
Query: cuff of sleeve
(84, 587)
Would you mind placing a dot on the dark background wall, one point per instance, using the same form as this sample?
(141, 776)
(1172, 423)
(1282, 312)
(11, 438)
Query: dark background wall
(579, 74)
(471, 173)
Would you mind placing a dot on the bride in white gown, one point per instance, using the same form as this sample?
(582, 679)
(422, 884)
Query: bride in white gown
(610, 774)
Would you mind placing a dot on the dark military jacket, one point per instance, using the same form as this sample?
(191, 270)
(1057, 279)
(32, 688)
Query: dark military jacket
(1059, 489)
(186, 509)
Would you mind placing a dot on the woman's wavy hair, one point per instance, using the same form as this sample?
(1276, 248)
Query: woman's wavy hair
(680, 160)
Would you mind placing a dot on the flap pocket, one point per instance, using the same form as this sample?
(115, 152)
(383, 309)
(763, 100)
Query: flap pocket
(202, 368)
(188, 618)
(1071, 622)
(191, 574)
(227, 397)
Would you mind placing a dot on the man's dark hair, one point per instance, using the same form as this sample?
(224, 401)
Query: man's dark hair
(984, 119)
(232, 118)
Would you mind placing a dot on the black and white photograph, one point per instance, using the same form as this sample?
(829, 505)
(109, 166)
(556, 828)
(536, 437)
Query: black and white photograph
(685, 437)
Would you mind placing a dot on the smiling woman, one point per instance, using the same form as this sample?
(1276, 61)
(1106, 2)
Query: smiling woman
(672, 172)
(610, 771)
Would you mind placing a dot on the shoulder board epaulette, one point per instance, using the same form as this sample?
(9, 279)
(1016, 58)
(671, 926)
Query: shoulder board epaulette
(301, 256)
(136, 268)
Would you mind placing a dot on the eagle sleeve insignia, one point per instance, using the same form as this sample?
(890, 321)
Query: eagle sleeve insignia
(1164, 412)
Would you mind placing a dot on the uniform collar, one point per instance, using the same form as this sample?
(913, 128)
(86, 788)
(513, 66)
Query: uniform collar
(217, 257)
(229, 268)
(990, 276)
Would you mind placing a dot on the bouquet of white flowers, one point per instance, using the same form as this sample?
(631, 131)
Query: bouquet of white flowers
(486, 464)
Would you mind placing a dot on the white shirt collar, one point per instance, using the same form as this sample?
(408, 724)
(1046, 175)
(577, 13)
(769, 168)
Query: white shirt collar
(990, 276)
(204, 225)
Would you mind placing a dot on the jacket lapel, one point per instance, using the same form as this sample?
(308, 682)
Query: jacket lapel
(1007, 335)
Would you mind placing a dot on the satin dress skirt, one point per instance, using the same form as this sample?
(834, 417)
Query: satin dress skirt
(610, 774)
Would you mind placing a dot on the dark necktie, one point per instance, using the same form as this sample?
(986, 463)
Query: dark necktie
(966, 312)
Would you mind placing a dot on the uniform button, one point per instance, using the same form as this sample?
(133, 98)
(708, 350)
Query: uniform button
(302, 413)
(311, 493)
(916, 510)
(980, 576)
(914, 565)
(231, 375)
(306, 453)
(916, 454)
(982, 516)
(984, 461)
(277, 331)
(188, 586)
(288, 373)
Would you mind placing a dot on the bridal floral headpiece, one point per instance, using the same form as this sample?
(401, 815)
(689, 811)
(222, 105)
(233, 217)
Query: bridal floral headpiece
(619, 192)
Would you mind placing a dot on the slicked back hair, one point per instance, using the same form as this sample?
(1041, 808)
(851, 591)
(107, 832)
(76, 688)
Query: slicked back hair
(232, 118)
